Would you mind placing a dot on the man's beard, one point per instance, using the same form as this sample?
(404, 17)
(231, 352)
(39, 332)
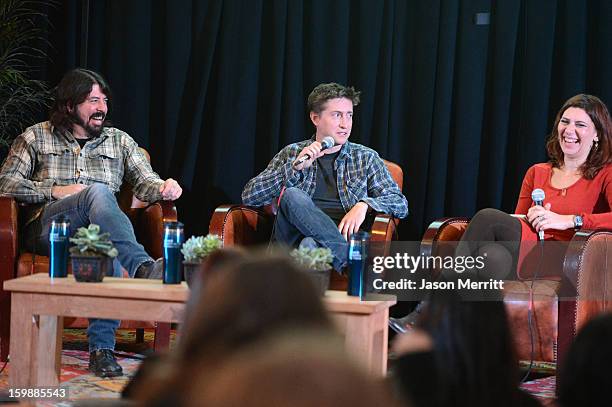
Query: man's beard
(92, 131)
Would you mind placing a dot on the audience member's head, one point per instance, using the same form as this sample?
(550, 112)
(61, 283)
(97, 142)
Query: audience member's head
(584, 379)
(240, 303)
(301, 369)
(472, 349)
(246, 301)
(214, 262)
(157, 365)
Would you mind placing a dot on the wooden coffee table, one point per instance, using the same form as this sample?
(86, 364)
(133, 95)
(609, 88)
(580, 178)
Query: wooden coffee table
(39, 303)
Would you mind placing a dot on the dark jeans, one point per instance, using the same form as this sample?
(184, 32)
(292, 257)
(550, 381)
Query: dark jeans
(95, 204)
(298, 217)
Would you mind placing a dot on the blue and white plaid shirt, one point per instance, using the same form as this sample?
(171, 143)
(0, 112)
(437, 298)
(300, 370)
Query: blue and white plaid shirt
(361, 176)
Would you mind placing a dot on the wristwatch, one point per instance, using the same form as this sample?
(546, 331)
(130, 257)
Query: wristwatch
(577, 222)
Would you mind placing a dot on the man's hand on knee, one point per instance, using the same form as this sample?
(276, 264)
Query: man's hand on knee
(59, 192)
(353, 219)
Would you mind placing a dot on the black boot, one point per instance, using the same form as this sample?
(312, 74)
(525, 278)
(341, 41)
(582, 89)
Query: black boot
(407, 322)
(104, 364)
(153, 270)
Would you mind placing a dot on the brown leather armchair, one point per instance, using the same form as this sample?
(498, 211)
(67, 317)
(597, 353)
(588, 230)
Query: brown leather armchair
(247, 226)
(147, 220)
(562, 304)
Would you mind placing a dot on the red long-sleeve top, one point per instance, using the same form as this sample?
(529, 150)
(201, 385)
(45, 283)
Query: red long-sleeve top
(592, 199)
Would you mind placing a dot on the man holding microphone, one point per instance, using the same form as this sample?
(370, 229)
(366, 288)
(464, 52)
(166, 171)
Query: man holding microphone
(326, 188)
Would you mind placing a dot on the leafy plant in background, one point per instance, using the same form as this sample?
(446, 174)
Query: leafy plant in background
(22, 45)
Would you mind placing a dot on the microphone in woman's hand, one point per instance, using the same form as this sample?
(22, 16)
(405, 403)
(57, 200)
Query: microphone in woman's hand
(538, 196)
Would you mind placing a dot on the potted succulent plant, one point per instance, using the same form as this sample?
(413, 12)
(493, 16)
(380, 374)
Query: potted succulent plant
(195, 250)
(92, 254)
(317, 263)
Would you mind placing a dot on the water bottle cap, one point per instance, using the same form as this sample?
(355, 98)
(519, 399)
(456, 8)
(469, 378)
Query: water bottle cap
(360, 236)
(60, 219)
(173, 225)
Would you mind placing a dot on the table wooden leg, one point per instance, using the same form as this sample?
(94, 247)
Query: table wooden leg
(365, 337)
(22, 340)
(380, 340)
(49, 350)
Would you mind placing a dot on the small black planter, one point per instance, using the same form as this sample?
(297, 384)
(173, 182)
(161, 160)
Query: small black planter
(320, 279)
(192, 271)
(90, 269)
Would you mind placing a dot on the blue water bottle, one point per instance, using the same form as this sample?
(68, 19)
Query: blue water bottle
(59, 232)
(173, 239)
(357, 256)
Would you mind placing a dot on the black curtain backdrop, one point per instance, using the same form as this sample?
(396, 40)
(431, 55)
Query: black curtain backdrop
(213, 89)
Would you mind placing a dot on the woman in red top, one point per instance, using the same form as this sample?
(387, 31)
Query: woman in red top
(577, 182)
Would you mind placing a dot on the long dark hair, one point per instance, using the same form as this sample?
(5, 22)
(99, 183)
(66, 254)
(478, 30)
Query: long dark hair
(598, 112)
(471, 340)
(72, 90)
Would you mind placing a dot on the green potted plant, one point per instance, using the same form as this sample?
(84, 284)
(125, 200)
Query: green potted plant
(195, 250)
(317, 263)
(92, 254)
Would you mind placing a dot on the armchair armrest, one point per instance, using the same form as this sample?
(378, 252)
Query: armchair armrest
(242, 225)
(441, 237)
(149, 224)
(443, 230)
(587, 269)
(384, 228)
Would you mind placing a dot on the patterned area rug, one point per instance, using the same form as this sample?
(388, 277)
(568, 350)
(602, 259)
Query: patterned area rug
(543, 389)
(75, 375)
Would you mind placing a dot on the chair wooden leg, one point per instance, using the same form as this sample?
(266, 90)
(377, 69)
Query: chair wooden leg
(162, 336)
(140, 335)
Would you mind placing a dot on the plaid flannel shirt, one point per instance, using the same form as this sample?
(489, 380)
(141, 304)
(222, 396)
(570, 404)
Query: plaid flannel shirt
(361, 176)
(43, 156)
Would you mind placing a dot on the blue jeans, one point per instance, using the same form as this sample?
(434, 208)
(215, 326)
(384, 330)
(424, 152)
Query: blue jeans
(298, 217)
(97, 204)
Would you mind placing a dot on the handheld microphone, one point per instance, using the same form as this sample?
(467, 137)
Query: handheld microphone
(538, 196)
(327, 142)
